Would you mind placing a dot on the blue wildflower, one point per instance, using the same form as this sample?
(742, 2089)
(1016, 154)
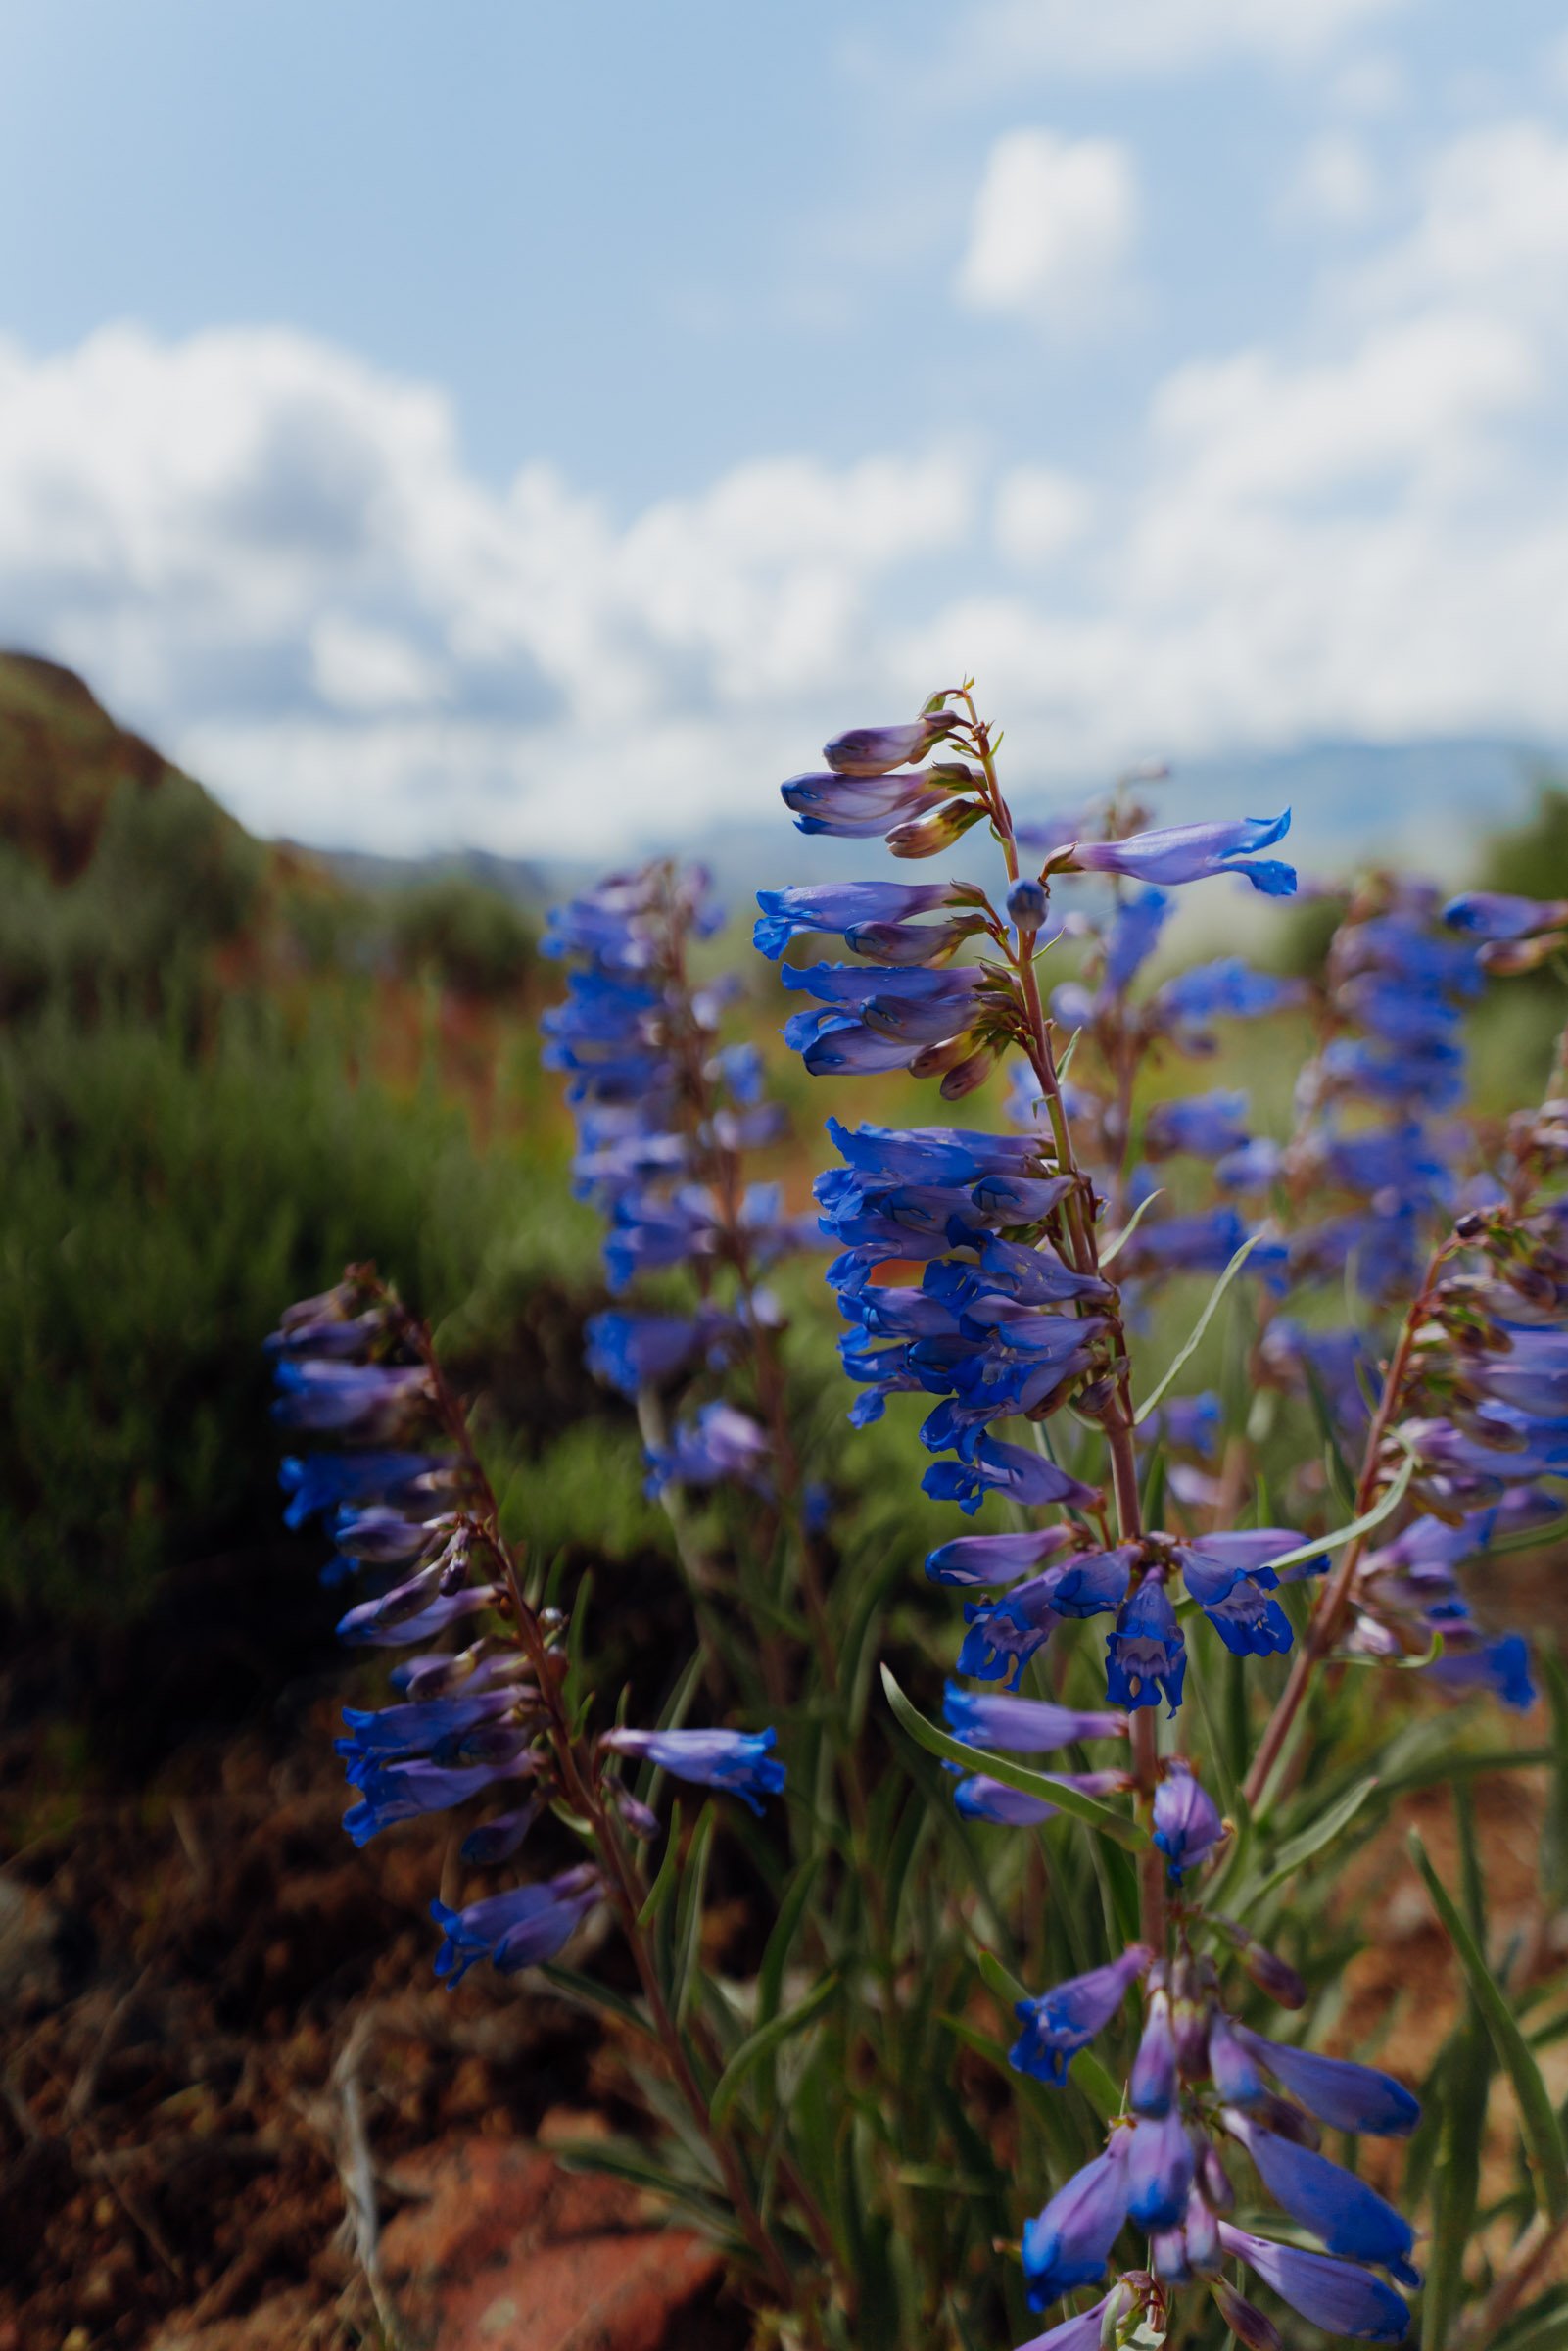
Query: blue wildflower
(739, 1762)
(1146, 1657)
(1338, 2091)
(523, 1927)
(1349, 2217)
(1061, 2022)
(1029, 1726)
(1187, 1825)
(1177, 853)
(839, 907)
(1069, 2243)
(1332, 2294)
(1161, 2165)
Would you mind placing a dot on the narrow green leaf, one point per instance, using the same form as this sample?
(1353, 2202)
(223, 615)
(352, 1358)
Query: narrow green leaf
(774, 1959)
(688, 1913)
(1307, 1842)
(768, 2039)
(663, 1885)
(1538, 2119)
(1185, 1354)
(1118, 1825)
(1131, 1226)
(586, 1993)
(1381, 1510)
(1086, 2069)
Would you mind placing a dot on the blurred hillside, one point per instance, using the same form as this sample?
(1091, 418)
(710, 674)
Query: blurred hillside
(224, 1070)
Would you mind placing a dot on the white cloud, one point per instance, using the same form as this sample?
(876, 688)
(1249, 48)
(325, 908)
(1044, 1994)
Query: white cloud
(1053, 223)
(1125, 38)
(1334, 185)
(1039, 513)
(276, 559)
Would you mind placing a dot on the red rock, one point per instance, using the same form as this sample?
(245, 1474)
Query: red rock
(511, 2251)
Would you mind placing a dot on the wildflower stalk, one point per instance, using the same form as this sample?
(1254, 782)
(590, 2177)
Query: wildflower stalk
(579, 1786)
(1117, 1422)
(1328, 1616)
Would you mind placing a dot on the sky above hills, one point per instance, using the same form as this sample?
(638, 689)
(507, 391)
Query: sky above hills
(537, 428)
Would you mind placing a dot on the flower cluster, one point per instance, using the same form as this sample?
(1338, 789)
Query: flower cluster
(1204, 2085)
(666, 1112)
(971, 1273)
(408, 1503)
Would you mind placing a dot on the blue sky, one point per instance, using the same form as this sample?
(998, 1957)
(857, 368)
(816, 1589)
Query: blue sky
(486, 422)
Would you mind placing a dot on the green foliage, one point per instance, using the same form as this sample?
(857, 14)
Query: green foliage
(469, 938)
(162, 1203)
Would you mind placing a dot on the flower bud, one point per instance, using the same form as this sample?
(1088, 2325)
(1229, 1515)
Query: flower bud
(1245, 2320)
(929, 834)
(1213, 2180)
(1506, 958)
(1027, 904)
(968, 1074)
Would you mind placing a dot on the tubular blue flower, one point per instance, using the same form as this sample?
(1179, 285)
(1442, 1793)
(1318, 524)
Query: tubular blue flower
(1350, 2218)
(1493, 914)
(1066, 2019)
(839, 907)
(500, 1837)
(366, 1401)
(523, 1927)
(977, 1797)
(1338, 2091)
(1153, 2083)
(366, 1625)
(629, 1352)
(1159, 2168)
(1251, 1168)
(719, 1445)
(1025, 1726)
(1204, 1126)
(995, 1559)
(1000, 1469)
(1332, 2294)
(1187, 1423)
(377, 1535)
(859, 807)
(874, 751)
(1187, 1825)
(1133, 936)
(389, 1792)
(1069, 2243)
(1500, 1666)
(1146, 1657)
(387, 1732)
(1177, 853)
(739, 1762)
(318, 1481)
(1224, 990)
(1004, 1634)
(1204, 1243)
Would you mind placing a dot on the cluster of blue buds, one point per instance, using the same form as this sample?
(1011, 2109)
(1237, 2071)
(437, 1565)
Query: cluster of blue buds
(406, 1502)
(666, 1114)
(1203, 2085)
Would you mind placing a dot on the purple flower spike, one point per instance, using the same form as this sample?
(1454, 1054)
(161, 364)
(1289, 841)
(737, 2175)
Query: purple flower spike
(1332, 2294)
(1069, 2243)
(1066, 2019)
(874, 751)
(1187, 1825)
(1175, 853)
(1025, 1726)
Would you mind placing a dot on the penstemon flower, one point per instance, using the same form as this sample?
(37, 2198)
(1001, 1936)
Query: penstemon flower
(1018, 1317)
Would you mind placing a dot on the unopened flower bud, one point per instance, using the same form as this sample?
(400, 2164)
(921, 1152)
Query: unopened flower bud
(929, 834)
(1245, 2320)
(1027, 904)
(968, 1074)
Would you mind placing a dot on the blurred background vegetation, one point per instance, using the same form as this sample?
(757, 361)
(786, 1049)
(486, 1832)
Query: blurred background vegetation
(227, 1067)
